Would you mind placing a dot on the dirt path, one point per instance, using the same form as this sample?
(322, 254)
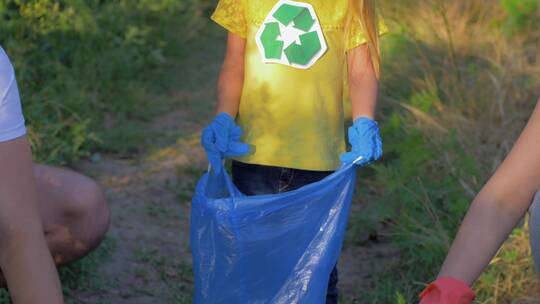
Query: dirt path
(150, 195)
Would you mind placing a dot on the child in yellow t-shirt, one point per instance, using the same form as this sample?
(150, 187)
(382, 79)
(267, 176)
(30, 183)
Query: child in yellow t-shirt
(281, 90)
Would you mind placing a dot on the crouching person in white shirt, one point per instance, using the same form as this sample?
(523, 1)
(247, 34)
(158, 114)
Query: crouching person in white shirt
(48, 215)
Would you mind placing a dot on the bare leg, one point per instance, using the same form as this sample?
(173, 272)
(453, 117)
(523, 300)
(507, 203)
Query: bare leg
(74, 212)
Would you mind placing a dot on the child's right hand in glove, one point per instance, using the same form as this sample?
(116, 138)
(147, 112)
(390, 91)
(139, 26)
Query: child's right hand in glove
(365, 140)
(221, 139)
(447, 290)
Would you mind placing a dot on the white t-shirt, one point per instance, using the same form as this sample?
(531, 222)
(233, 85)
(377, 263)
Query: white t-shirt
(11, 117)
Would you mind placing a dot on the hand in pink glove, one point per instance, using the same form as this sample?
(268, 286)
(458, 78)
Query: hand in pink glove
(447, 291)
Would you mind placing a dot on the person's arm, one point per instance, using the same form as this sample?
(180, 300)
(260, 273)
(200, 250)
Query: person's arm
(231, 78)
(498, 207)
(364, 135)
(363, 83)
(221, 138)
(24, 256)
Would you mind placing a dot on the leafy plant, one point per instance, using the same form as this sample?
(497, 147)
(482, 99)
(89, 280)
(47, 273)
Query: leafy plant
(521, 14)
(447, 91)
(82, 68)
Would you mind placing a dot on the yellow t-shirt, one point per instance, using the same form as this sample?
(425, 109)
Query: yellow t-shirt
(293, 116)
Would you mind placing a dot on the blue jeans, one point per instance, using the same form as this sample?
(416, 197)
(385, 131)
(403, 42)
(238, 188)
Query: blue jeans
(257, 179)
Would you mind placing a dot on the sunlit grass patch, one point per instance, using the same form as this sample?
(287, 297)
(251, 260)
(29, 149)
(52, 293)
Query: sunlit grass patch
(511, 273)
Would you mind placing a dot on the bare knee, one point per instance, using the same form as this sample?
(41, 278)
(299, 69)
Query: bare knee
(84, 215)
(89, 206)
(74, 212)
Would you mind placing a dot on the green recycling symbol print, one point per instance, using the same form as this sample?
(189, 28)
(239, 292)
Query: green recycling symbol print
(291, 35)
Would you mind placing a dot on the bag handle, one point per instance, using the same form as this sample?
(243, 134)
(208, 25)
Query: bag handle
(225, 176)
(355, 162)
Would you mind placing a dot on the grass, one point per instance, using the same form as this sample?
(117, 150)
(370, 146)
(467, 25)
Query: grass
(459, 82)
(511, 274)
(91, 76)
(85, 69)
(81, 275)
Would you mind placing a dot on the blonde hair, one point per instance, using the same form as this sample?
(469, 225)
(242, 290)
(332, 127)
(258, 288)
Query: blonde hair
(365, 13)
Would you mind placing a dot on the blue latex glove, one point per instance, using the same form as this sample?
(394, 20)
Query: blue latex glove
(221, 139)
(365, 139)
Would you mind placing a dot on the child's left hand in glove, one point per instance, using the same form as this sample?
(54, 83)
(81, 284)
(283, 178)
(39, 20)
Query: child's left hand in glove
(366, 142)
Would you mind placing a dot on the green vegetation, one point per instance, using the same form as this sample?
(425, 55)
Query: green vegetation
(84, 68)
(456, 92)
(91, 77)
(460, 78)
(520, 15)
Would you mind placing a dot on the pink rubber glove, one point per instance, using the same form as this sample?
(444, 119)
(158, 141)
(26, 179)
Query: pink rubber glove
(447, 291)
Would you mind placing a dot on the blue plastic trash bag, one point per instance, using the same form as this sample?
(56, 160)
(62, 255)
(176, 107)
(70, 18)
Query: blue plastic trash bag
(277, 248)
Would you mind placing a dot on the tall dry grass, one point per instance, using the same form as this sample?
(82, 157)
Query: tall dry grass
(460, 79)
